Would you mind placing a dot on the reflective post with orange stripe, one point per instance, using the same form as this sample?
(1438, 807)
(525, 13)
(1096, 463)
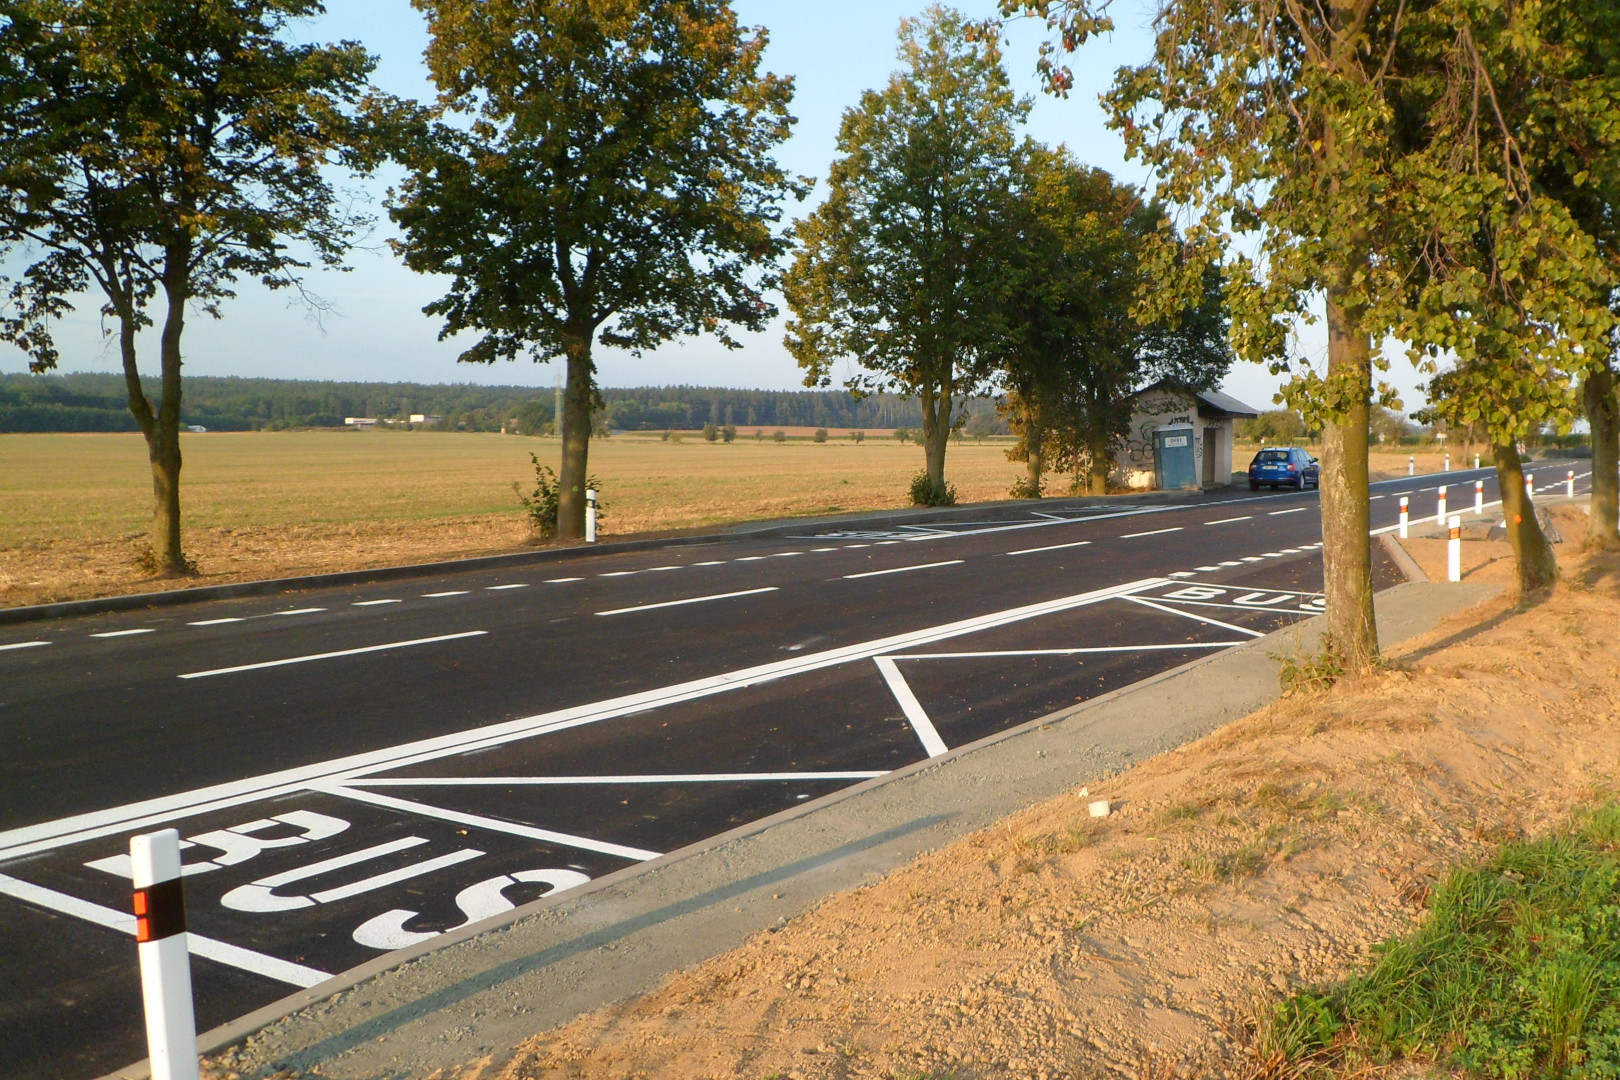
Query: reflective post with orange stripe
(160, 935)
(1403, 517)
(1440, 515)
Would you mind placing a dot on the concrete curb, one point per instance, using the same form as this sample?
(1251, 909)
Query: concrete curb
(479, 991)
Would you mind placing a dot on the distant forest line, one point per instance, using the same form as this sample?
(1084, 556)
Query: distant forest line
(99, 402)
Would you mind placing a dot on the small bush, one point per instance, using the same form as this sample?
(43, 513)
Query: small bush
(728, 433)
(924, 492)
(857, 436)
(820, 435)
(903, 434)
(779, 437)
(1023, 489)
(711, 433)
(1304, 674)
(541, 504)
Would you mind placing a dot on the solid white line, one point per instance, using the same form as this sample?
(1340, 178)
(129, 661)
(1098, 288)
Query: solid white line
(219, 951)
(365, 603)
(212, 622)
(901, 569)
(1050, 547)
(47, 835)
(493, 824)
(1153, 532)
(1228, 521)
(573, 781)
(125, 633)
(330, 655)
(452, 592)
(560, 580)
(499, 588)
(924, 727)
(1295, 510)
(688, 600)
(1065, 652)
(299, 611)
(23, 645)
(1195, 617)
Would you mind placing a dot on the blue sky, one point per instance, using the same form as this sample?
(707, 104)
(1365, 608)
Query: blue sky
(833, 48)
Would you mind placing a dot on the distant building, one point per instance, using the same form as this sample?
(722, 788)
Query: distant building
(1179, 439)
(423, 418)
(359, 421)
(196, 429)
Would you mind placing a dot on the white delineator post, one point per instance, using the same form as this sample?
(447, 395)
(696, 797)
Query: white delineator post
(1529, 486)
(1440, 514)
(1403, 517)
(1476, 461)
(160, 935)
(1569, 482)
(1411, 465)
(590, 515)
(1454, 550)
(1479, 496)
(1448, 461)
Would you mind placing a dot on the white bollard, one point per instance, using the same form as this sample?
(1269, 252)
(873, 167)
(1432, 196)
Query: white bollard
(1448, 462)
(1476, 461)
(160, 933)
(1440, 515)
(1411, 465)
(1403, 517)
(1479, 496)
(590, 515)
(1569, 482)
(1529, 486)
(1454, 550)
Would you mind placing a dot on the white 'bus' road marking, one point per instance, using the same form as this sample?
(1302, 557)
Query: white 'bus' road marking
(371, 603)
(901, 569)
(330, 655)
(23, 645)
(1196, 617)
(125, 633)
(218, 951)
(638, 778)
(1295, 510)
(452, 592)
(915, 715)
(1049, 547)
(1228, 521)
(688, 600)
(48, 835)
(498, 588)
(493, 824)
(213, 622)
(1153, 532)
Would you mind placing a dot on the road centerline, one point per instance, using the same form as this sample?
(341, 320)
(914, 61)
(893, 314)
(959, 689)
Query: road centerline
(901, 569)
(688, 600)
(23, 645)
(1049, 547)
(1228, 521)
(1151, 532)
(1293, 510)
(331, 655)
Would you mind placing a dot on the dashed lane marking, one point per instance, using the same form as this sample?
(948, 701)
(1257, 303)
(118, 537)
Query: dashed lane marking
(449, 592)
(1153, 532)
(357, 603)
(561, 580)
(688, 600)
(1049, 547)
(1206, 569)
(210, 948)
(711, 562)
(332, 655)
(502, 588)
(125, 633)
(1228, 521)
(1182, 573)
(1295, 510)
(901, 569)
(23, 645)
(214, 622)
(301, 611)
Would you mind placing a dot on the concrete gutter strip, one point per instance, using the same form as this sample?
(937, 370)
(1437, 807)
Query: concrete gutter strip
(482, 991)
(1401, 558)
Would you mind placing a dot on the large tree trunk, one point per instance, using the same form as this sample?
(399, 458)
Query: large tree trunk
(578, 400)
(1097, 464)
(1346, 552)
(1603, 413)
(162, 430)
(936, 410)
(1538, 567)
(1035, 450)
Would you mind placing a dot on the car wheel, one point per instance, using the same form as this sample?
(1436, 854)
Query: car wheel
(1302, 482)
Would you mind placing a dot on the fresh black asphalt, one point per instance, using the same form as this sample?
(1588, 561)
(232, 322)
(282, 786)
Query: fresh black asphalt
(361, 767)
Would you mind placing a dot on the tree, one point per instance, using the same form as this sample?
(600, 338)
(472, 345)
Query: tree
(902, 266)
(1075, 351)
(155, 147)
(615, 184)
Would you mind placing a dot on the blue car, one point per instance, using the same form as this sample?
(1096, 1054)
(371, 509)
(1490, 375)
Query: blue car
(1284, 466)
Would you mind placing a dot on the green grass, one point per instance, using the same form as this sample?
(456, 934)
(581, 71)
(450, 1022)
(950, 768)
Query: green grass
(1515, 974)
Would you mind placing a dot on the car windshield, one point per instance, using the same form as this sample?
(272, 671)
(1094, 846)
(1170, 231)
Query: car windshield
(1271, 457)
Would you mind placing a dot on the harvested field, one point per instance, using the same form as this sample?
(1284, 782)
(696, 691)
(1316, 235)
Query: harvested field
(1272, 854)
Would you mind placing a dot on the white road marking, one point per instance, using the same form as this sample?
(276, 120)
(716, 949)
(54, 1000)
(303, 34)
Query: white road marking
(1252, 558)
(1231, 562)
(1067, 652)
(785, 554)
(1303, 608)
(1194, 616)
(451, 592)
(47, 835)
(23, 645)
(1295, 510)
(1182, 573)
(688, 600)
(886, 543)
(823, 549)
(1049, 547)
(300, 611)
(655, 569)
(331, 655)
(1206, 569)
(1271, 555)
(219, 951)
(1228, 521)
(617, 573)
(125, 633)
(572, 781)
(1151, 532)
(372, 603)
(212, 622)
(1375, 498)
(500, 588)
(752, 558)
(852, 547)
(901, 569)
(711, 562)
(913, 709)
(493, 824)
(561, 580)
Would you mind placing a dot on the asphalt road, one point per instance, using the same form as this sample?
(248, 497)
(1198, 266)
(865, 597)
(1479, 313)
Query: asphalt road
(359, 769)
